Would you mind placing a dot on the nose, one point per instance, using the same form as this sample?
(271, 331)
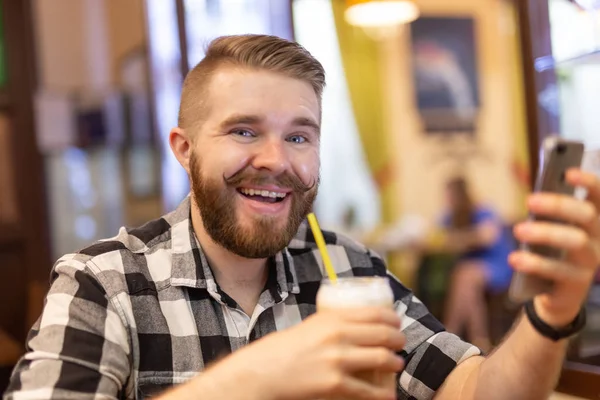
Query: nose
(271, 155)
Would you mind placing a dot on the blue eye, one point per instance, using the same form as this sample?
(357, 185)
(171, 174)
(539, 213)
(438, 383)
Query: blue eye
(243, 133)
(297, 139)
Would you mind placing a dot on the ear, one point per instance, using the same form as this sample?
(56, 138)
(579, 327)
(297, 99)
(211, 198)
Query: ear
(181, 146)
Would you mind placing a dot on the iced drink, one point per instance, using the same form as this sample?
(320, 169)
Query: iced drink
(359, 292)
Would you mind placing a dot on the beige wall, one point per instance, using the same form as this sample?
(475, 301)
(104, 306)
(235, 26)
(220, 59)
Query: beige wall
(421, 177)
(59, 39)
(80, 42)
(127, 31)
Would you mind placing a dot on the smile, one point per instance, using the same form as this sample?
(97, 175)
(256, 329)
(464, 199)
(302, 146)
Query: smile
(262, 195)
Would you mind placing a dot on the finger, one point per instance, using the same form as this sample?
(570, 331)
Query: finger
(378, 315)
(567, 209)
(547, 268)
(361, 389)
(374, 335)
(560, 236)
(577, 177)
(352, 359)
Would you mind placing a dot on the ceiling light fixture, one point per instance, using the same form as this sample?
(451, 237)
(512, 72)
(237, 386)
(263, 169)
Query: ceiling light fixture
(380, 13)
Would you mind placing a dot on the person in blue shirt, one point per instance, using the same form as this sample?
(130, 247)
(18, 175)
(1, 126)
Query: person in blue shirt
(483, 243)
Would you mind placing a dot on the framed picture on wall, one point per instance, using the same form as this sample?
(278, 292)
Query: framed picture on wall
(445, 73)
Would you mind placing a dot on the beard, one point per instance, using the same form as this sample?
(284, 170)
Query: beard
(216, 200)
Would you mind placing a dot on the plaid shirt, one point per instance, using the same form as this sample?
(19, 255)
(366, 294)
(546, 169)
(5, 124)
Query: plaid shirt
(133, 315)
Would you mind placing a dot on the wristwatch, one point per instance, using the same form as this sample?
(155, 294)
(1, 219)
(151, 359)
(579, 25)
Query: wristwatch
(550, 332)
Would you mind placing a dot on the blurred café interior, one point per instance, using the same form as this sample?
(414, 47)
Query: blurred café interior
(439, 89)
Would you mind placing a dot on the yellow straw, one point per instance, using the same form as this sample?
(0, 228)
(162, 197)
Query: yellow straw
(314, 226)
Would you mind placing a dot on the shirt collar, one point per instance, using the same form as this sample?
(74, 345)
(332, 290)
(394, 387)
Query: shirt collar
(189, 264)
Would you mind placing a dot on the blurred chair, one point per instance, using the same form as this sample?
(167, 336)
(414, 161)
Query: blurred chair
(502, 313)
(433, 275)
(431, 287)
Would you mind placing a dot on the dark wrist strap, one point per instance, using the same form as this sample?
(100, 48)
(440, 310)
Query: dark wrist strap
(552, 333)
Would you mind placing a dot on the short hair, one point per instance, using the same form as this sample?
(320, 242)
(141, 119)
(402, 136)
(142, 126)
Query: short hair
(260, 52)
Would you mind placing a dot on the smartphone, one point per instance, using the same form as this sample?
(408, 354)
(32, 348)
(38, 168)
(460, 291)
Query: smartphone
(556, 157)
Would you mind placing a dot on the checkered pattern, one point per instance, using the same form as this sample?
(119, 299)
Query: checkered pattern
(130, 316)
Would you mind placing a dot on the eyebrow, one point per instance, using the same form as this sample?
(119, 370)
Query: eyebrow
(255, 120)
(303, 121)
(242, 119)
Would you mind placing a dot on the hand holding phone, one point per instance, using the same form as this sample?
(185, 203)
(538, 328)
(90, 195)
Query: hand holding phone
(556, 157)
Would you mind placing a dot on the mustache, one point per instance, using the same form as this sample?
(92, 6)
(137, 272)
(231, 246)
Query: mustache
(284, 180)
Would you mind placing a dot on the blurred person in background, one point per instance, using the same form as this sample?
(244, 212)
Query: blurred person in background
(482, 244)
(218, 297)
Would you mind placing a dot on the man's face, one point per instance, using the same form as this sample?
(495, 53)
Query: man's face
(254, 165)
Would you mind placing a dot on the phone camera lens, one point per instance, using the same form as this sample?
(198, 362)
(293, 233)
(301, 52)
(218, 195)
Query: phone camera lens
(561, 148)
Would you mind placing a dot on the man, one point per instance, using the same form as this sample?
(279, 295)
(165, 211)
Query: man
(235, 269)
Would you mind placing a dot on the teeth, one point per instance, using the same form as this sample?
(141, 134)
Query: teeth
(263, 193)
